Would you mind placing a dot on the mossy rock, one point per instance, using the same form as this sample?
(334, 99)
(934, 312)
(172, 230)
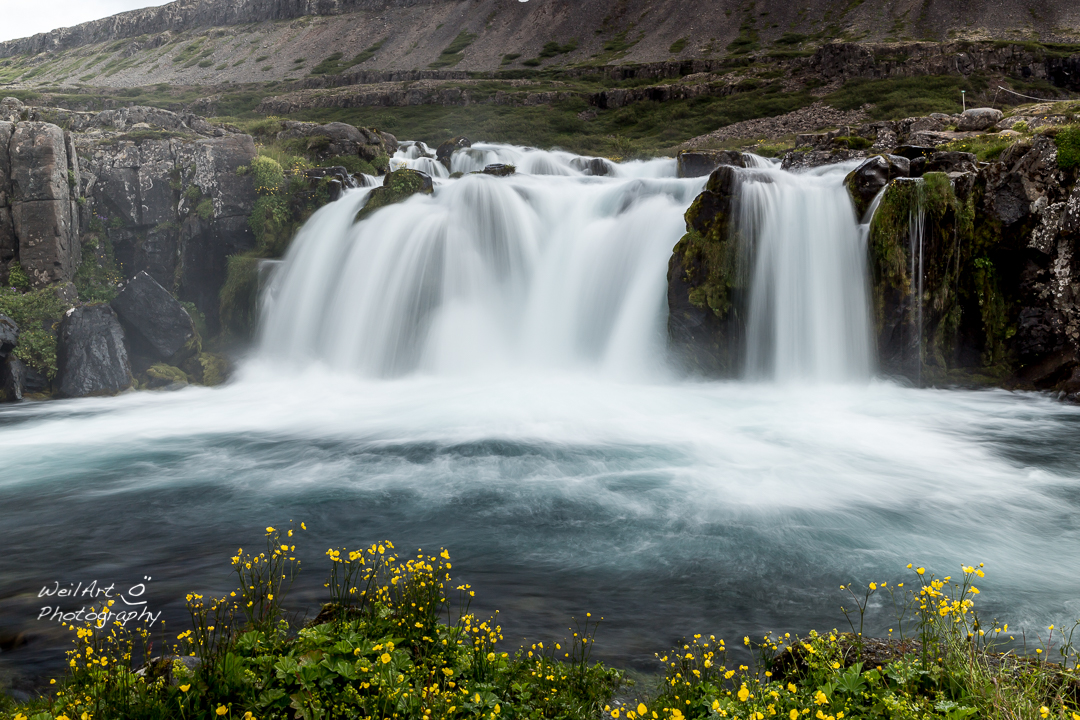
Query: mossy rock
(162, 375)
(396, 187)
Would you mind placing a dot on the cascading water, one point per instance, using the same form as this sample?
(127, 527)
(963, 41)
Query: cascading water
(488, 273)
(808, 315)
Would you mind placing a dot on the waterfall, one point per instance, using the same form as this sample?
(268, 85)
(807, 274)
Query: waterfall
(808, 315)
(554, 268)
(546, 269)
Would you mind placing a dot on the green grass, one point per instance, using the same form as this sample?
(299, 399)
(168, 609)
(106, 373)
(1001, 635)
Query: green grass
(454, 52)
(897, 98)
(678, 46)
(651, 127)
(1068, 144)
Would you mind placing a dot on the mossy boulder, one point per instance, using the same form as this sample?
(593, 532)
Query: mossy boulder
(704, 286)
(160, 375)
(208, 369)
(396, 187)
(499, 170)
(448, 148)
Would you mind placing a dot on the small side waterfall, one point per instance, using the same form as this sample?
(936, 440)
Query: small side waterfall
(809, 303)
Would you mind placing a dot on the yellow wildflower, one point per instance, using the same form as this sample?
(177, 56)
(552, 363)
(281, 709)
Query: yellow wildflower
(221, 708)
(185, 688)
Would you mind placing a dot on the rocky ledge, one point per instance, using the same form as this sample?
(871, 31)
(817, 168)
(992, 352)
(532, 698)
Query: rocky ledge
(1000, 278)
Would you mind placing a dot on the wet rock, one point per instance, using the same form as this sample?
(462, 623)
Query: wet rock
(396, 187)
(499, 170)
(12, 379)
(448, 148)
(867, 180)
(9, 335)
(91, 356)
(700, 164)
(979, 119)
(596, 167)
(157, 325)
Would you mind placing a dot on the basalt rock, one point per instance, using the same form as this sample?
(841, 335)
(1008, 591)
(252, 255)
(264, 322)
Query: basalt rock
(91, 354)
(705, 330)
(979, 119)
(156, 325)
(397, 186)
(9, 335)
(700, 164)
(499, 170)
(596, 167)
(40, 202)
(12, 379)
(448, 148)
(867, 180)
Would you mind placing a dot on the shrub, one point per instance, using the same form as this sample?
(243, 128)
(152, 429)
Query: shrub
(267, 174)
(35, 312)
(1068, 145)
(17, 277)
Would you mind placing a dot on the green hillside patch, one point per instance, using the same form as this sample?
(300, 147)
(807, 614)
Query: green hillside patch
(896, 98)
(455, 51)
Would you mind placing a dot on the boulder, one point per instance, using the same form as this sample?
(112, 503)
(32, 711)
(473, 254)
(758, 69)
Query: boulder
(91, 356)
(9, 335)
(448, 148)
(596, 167)
(396, 186)
(949, 162)
(12, 379)
(700, 164)
(499, 170)
(156, 324)
(911, 152)
(867, 180)
(979, 119)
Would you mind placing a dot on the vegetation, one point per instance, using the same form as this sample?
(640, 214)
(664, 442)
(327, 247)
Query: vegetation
(37, 313)
(1067, 140)
(396, 639)
(454, 52)
(901, 97)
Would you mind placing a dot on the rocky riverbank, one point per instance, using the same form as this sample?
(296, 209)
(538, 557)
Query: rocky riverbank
(118, 233)
(996, 299)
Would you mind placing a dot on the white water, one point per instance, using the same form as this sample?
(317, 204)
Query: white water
(556, 271)
(483, 370)
(809, 301)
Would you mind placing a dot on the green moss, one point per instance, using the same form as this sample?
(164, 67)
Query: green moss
(454, 52)
(678, 46)
(354, 164)
(215, 368)
(36, 313)
(97, 275)
(205, 209)
(166, 374)
(239, 295)
(396, 187)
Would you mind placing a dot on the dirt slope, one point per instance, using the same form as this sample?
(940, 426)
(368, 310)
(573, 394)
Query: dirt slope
(206, 42)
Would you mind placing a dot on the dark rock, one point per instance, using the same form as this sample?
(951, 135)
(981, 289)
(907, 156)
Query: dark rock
(700, 164)
(596, 167)
(499, 170)
(42, 207)
(867, 180)
(948, 162)
(911, 152)
(91, 356)
(157, 325)
(448, 148)
(396, 186)
(9, 335)
(12, 379)
(979, 119)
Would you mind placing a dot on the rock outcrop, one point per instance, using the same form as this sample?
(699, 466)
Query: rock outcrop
(156, 325)
(397, 186)
(39, 176)
(91, 353)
